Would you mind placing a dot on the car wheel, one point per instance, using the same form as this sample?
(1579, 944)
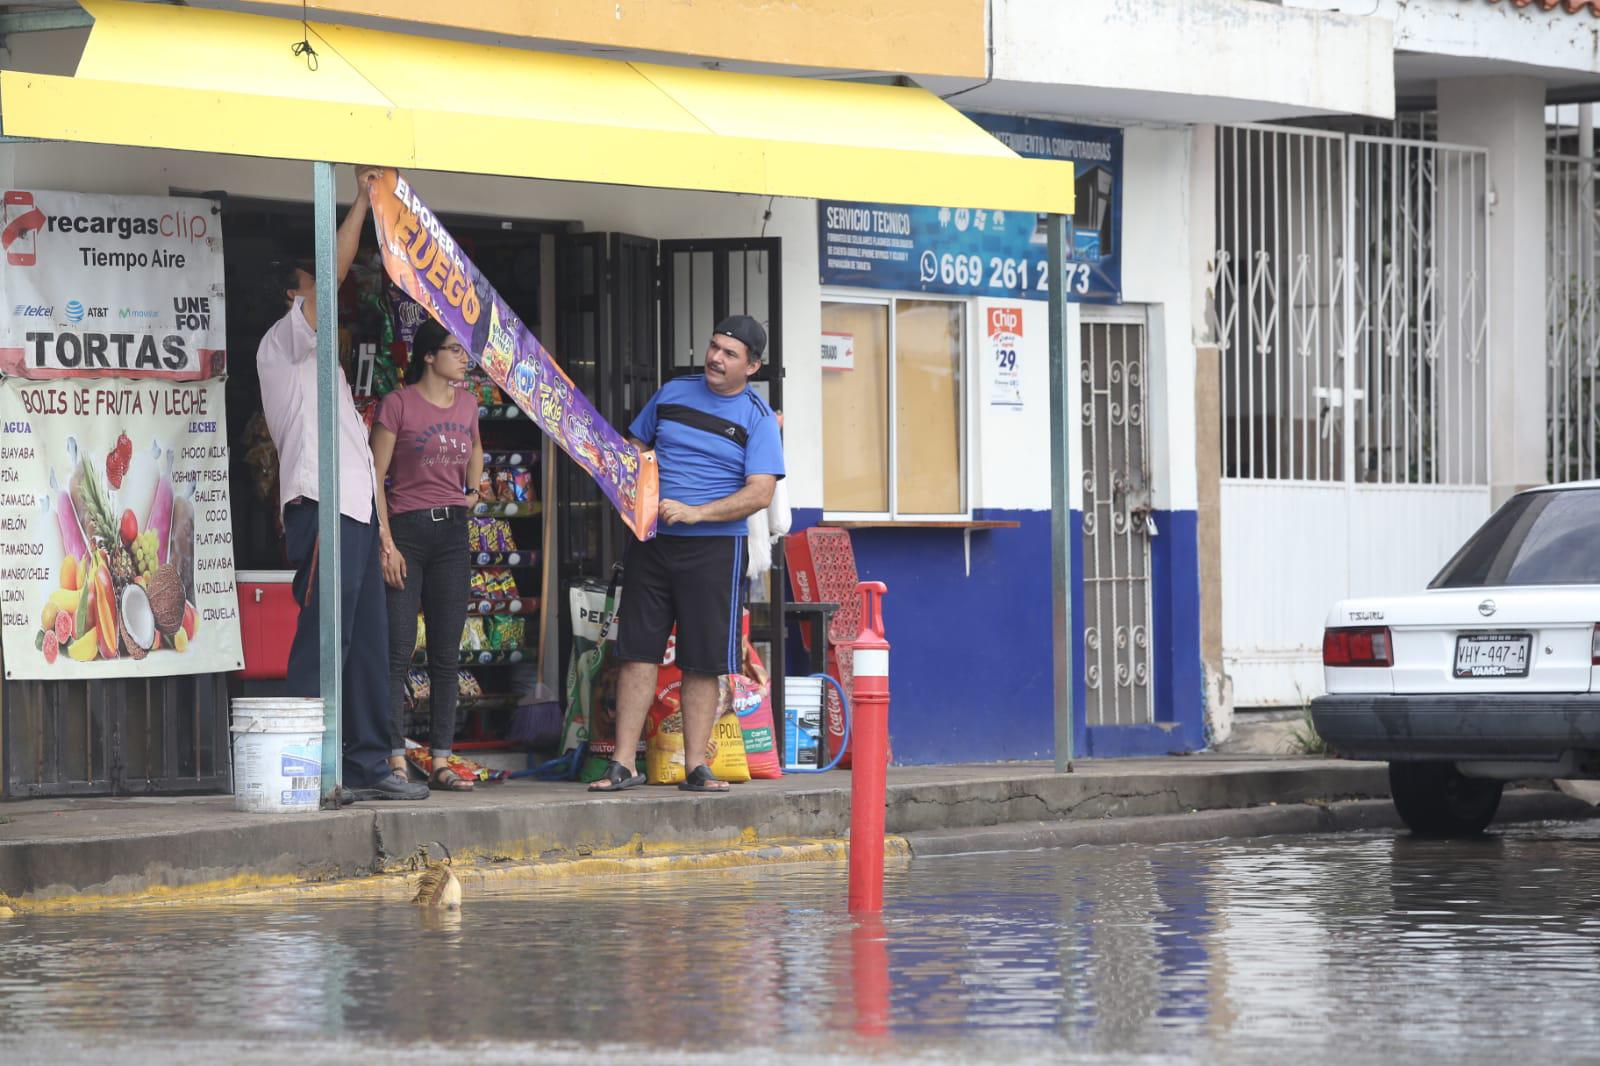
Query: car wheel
(1437, 800)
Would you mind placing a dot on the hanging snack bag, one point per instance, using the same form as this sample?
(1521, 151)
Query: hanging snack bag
(504, 490)
(503, 538)
(418, 687)
(468, 685)
(473, 637)
(422, 634)
(522, 485)
(508, 585)
(478, 586)
(506, 631)
(486, 487)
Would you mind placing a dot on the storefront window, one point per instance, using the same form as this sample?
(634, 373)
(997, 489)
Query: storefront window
(855, 399)
(899, 356)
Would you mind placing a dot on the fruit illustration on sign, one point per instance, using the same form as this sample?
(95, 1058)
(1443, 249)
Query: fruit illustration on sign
(166, 600)
(129, 530)
(117, 460)
(83, 649)
(138, 622)
(105, 609)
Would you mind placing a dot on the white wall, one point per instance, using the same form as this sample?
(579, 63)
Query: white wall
(1530, 36)
(644, 212)
(1156, 271)
(1506, 116)
(1214, 50)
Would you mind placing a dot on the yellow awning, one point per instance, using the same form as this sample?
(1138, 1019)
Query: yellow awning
(160, 76)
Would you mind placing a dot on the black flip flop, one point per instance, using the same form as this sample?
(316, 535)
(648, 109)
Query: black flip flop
(700, 779)
(620, 781)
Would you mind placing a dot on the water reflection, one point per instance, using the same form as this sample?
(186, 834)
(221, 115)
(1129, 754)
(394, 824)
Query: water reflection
(1247, 949)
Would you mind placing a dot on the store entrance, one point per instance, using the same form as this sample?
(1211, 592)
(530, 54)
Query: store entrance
(602, 302)
(632, 312)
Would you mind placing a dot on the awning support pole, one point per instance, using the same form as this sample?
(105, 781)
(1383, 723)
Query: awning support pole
(329, 591)
(1063, 421)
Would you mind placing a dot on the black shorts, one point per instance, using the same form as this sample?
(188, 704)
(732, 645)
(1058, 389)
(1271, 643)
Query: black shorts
(695, 583)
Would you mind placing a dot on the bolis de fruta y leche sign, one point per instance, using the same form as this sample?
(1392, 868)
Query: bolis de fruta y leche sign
(116, 532)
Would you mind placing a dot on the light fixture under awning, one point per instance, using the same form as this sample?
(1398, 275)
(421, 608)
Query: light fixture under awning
(160, 76)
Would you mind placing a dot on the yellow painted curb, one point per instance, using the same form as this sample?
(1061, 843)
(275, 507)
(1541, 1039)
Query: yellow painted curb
(488, 879)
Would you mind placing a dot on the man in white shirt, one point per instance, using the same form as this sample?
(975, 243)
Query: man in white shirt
(287, 363)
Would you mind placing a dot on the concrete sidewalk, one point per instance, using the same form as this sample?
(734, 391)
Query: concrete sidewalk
(99, 851)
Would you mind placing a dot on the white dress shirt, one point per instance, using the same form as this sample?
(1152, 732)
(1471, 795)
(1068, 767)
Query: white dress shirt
(287, 364)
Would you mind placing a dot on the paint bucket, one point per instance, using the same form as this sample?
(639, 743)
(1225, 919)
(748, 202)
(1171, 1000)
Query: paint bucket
(802, 723)
(277, 755)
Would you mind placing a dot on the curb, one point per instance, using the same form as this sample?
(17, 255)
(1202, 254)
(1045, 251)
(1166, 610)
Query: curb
(488, 879)
(1522, 805)
(177, 849)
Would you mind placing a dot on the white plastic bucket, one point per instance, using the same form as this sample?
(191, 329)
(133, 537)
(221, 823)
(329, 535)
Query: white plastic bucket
(277, 755)
(802, 723)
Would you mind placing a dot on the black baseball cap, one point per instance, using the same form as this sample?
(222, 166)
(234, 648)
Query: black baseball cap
(746, 329)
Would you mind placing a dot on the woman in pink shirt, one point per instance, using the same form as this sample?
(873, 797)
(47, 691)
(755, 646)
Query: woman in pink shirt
(425, 442)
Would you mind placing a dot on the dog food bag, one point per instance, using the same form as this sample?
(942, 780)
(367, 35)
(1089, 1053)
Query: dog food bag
(663, 759)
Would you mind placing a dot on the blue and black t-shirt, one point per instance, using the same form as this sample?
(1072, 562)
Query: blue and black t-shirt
(707, 445)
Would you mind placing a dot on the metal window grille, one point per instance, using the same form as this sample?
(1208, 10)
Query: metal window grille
(1116, 509)
(1352, 311)
(1572, 317)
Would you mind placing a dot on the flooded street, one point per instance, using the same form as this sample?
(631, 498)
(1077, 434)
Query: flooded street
(1338, 949)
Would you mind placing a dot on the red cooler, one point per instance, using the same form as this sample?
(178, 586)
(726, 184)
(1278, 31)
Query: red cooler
(267, 619)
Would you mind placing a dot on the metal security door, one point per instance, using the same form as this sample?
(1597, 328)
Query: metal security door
(606, 336)
(1351, 314)
(1572, 317)
(703, 282)
(1117, 524)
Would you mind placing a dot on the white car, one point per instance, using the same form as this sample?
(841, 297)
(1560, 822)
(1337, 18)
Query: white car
(1490, 675)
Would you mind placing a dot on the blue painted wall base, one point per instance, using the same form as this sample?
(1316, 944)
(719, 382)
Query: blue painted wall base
(970, 673)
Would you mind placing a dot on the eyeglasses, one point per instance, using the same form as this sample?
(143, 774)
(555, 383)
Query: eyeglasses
(453, 347)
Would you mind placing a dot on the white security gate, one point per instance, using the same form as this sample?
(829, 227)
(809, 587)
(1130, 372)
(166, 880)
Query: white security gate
(1572, 317)
(1116, 517)
(1352, 317)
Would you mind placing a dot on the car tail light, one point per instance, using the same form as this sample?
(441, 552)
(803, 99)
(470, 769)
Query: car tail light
(1594, 647)
(1367, 646)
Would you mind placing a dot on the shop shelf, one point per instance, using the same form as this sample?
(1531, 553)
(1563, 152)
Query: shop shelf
(474, 659)
(510, 460)
(509, 412)
(504, 560)
(489, 701)
(520, 605)
(496, 509)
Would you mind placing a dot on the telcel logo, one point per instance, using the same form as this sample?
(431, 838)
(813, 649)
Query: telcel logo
(33, 310)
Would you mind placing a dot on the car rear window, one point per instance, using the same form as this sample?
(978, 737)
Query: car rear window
(1539, 538)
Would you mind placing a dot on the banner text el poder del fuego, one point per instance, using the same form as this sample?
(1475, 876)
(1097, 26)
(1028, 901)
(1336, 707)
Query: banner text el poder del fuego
(422, 258)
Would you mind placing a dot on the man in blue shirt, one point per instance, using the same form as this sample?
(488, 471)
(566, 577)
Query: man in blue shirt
(720, 456)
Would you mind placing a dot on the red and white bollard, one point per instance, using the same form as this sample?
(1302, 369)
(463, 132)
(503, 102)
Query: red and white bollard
(869, 726)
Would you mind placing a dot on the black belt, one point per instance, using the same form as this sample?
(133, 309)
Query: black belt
(444, 514)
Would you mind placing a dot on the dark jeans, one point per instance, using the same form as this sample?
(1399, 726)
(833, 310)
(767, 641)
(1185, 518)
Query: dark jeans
(438, 573)
(365, 732)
